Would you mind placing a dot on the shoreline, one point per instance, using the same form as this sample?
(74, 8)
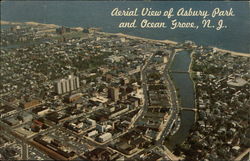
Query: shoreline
(232, 52)
(122, 35)
(146, 39)
(28, 23)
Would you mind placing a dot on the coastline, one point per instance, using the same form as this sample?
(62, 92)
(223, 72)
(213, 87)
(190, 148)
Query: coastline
(122, 35)
(232, 52)
(28, 23)
(131, 39)
(145, 39)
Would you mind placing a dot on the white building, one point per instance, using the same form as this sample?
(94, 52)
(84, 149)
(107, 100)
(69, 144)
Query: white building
(92, 133)
(66, 85)
(105, 137)
(91, 122)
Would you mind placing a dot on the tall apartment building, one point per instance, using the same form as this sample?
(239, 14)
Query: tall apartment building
(113, 93)
(66, 85)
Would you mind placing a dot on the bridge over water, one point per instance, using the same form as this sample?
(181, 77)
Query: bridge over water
(178, 71)
(191, 109)
(187, 108)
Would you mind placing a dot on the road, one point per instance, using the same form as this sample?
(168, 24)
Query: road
(167, 128)
(173, 97)
(174, 101)
(144, 87)
(22, 142)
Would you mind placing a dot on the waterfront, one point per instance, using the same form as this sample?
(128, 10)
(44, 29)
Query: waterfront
(185, 90)
(84, 14)
(45, 69)
(184, 86)
(182, 81)
(179, 70)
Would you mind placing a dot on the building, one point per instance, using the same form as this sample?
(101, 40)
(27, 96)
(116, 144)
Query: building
(98, 154)
(237, 82)
(124, 81)
(31, 104)
(100, 128)
(105, 137)
(12, 121)
(62, 30)
(113, 93)
(92, 133)
(152, 156)
(6, 111)
(73, 97)
(24, 131)
(85, 30)
(40, 111)
(66, 85)
(136, 70)
(165, 59)
(25, 117)
(135, 101)
(54, 148)
(119, 111)
(91, 122)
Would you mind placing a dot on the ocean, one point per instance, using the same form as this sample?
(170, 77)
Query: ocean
(235, 37)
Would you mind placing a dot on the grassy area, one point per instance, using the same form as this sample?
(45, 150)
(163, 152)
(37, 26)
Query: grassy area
(93, 62)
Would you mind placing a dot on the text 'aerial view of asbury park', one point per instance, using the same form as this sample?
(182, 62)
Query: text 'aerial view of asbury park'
(83, 94)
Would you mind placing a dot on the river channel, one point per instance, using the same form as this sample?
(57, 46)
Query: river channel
(185, 90)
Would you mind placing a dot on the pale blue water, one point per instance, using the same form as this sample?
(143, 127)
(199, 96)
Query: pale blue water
(97, 14)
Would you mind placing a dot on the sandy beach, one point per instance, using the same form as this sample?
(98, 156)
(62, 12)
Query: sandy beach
(9, 23)
(146, 39)
(174, 43)
(28, 23)
(232, 52)
(37, 24)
